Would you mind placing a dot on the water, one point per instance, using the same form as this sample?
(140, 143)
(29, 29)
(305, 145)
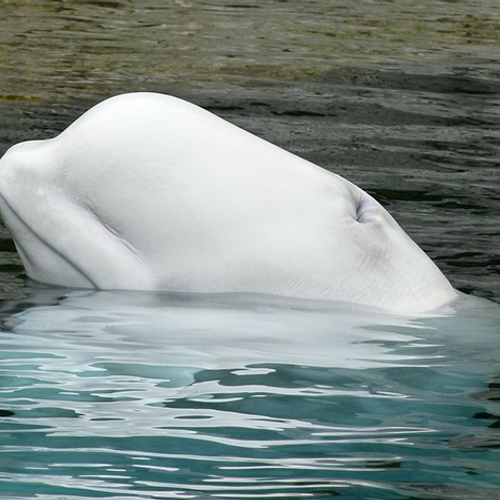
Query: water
(123, 395)
(144, 396)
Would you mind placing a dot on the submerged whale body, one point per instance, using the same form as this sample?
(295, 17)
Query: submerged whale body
(149, 192)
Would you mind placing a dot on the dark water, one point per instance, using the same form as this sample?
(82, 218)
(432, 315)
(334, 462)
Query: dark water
(127, 396)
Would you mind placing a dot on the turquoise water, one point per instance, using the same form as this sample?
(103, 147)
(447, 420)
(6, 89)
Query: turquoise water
(138, 396)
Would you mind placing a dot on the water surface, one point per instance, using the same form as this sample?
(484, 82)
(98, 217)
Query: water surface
(139, 396)
(123, 395)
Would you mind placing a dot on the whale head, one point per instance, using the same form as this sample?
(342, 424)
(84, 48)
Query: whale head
(149, 192)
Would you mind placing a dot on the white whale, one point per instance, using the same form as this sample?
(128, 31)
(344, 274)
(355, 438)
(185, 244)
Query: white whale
(149, 192)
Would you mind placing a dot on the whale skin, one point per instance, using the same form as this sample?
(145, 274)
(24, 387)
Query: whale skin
(149, 192)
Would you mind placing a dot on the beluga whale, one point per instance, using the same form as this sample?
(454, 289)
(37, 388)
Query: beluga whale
(149, 192)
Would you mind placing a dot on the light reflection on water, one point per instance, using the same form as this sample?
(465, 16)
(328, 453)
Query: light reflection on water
(168, 396)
